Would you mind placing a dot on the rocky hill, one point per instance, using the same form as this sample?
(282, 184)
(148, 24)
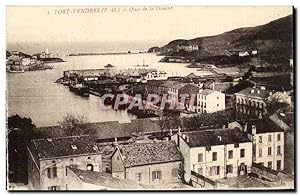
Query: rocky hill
(273, 42)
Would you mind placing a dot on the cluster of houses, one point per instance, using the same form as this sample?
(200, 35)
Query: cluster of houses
(197, 158)
(20, 62)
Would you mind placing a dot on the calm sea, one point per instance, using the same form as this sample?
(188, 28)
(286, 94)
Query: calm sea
(35, 95)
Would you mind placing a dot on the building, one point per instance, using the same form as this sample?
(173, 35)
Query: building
(173, 89)
(155, 75)
(268, 143)
(25, 61)
(209, 101)
(188, 48)
(49, 158)
(252, 101)
(215, 153)
(243, 54)
(151, 163)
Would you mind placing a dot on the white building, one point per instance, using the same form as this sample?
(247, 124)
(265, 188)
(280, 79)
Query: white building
(155, 75)
(25, 61)
(215, 153)
(209, 101)
(244, 53)
(268, 143)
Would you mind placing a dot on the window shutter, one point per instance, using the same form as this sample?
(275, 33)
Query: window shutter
(49, 173)
(153, 177)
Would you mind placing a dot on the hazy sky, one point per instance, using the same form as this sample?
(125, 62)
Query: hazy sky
(42, 24)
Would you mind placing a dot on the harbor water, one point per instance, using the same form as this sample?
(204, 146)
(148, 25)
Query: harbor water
(35, 95)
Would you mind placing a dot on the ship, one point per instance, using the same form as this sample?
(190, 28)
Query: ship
(79, 89)
(143, 65)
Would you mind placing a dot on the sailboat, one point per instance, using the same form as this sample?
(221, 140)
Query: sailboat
(144, 65)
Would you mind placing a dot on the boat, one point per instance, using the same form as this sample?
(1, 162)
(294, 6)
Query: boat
(143, 65)
(79, 89)
(16, 71)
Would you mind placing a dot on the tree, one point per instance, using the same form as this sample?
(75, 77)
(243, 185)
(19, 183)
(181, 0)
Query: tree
(74, 125)
(168, 120)
(216, 119)
(20, 133)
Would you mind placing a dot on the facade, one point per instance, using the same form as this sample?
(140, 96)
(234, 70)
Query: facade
(268, 143)
(243, 54)
(188, 48)
(155, 75)
(209, 101)
(215, 154)
(252, 101)
(49, 158)
(25, 61)
(151, 163)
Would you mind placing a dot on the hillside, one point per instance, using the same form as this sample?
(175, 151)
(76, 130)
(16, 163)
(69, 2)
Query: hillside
(273, 41)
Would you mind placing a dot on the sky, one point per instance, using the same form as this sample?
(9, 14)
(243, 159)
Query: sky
(130, 24)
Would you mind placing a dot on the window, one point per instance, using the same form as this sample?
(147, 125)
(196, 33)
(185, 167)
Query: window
(230, 154)
(217, 97)
(278, 137)
(89, 167)
(269, 164)
(53, 188)
(278, 165)
(270, 138)
(217, 105)
(214, 156)
(278, 150)
(269, 151)
(229, 169)
(138, 177)
(200, 157)
(200, 171)
(260, 139)
(215, 170)
(174, 172)
(242, 153)
(52, 171)
(156, 175)
(259, 152)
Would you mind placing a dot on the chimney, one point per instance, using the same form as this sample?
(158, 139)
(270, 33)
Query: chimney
(253, 130)
(246, 127)
(115, 143)
(263, 88)
(258, 91)
(171, 132)
(213, 85)
(270, 93)
(219, 138)
(252, 91)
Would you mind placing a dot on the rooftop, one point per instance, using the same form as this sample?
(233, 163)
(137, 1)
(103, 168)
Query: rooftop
(206, 92)
(214, 137)
(103, 129)
(263, 126)
(255, 92)
(105, 179)
(64, 146)
(137, 154)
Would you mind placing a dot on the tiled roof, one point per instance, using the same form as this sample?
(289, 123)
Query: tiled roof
(136, 154)
(255, 92)
(111, 129)
(263, 126)
(105, 179)
(64, 146)
(214, 137)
